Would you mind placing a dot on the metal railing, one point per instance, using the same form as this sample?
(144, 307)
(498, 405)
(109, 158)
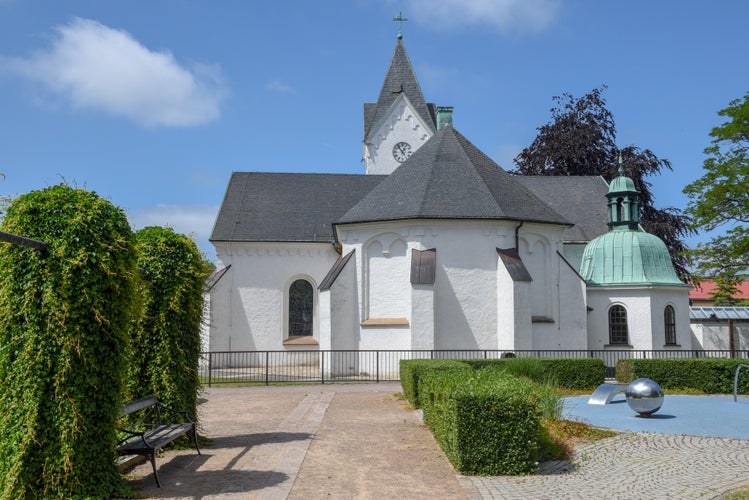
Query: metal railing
(267, 367)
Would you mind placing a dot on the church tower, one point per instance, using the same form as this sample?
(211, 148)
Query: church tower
(401, 120)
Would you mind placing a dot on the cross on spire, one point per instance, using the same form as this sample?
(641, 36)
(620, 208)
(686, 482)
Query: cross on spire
(400, 20)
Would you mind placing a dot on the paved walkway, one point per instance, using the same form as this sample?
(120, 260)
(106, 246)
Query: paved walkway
(361, 441)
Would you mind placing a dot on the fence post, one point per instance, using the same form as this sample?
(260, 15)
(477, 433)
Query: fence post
(322, 367)
(377, 366)
(210, 367)
(267, 363)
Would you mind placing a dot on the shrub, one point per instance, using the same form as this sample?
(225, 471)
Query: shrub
(709, 375)
(411, 371)
(64, 320)
(486, 422)
(567, 373)
(166, 342)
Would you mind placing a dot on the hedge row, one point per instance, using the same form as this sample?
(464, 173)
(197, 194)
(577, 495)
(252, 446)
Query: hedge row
(486, 421)
(710, 375)
(574, 374)
(486, 414)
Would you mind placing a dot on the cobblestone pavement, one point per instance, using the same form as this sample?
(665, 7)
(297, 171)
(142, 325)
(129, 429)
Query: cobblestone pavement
(632, 466)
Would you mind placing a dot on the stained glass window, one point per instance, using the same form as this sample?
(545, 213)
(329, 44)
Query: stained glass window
(300, 308)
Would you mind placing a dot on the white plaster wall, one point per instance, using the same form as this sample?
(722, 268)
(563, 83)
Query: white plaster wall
(387, 276)
(422, 317)
(638, 317)
(385, 338)
(514, 326)
(535, 251)
(465, 289)
(645, 320)
(711, 335)
(325, 311)
(401, 125)
(570, 327)
(345, 309)
(678, 298)
(249, 300)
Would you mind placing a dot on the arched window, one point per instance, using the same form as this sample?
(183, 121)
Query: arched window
(301, 299)
(618, 325)
(669, 321)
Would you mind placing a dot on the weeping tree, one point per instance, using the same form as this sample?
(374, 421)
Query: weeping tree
(166, 340)
(65, 314)
(581, 140)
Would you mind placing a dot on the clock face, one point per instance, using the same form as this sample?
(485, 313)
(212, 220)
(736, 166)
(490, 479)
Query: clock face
(401, 151)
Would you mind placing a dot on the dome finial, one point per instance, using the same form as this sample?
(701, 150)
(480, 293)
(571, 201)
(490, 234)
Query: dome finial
(400, 20)
(621, 165)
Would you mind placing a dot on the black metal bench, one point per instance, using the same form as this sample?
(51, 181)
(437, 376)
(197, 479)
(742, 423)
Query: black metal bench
(156, 434)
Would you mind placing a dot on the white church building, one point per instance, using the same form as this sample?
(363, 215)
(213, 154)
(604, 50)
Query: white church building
(437, 247)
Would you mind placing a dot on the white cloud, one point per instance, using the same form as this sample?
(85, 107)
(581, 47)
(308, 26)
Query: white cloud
(193, 220)
(506, 16)
(96, 67)
(280, 87)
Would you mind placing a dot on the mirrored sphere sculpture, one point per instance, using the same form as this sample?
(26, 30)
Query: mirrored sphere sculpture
(644, 396)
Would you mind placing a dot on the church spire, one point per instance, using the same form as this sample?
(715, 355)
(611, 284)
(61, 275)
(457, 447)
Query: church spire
(400, 79)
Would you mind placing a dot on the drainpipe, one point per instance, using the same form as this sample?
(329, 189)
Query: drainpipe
(517, 238)
(730, 337)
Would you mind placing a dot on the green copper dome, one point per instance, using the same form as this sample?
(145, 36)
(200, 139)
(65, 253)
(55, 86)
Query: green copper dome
(626, 257)
(622, 184)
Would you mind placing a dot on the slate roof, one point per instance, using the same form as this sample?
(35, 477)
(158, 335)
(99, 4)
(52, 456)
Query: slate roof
(399, 78)
(450, 178)
(581, 199)
(286, 206)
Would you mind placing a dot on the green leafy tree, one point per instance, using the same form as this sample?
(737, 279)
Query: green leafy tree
(720, 199)
(65, 315)
(166, 341)
(581, 140)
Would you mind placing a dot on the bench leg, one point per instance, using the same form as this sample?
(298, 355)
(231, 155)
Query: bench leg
(195, 438)
(152, 456)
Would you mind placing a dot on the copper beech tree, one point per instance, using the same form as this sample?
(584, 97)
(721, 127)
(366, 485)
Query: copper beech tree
(581, 140)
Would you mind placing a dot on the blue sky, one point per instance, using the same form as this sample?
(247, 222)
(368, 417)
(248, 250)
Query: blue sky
(153, 104)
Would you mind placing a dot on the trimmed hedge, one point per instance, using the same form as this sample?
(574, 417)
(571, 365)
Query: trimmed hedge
(486, 414)
(710, 375)
(487, 422)
(411, 371)
(572, 373)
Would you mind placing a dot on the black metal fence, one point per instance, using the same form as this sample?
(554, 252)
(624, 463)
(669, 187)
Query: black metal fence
(267, 367)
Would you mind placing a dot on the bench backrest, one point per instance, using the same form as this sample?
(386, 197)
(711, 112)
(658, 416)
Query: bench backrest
(134, 406)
